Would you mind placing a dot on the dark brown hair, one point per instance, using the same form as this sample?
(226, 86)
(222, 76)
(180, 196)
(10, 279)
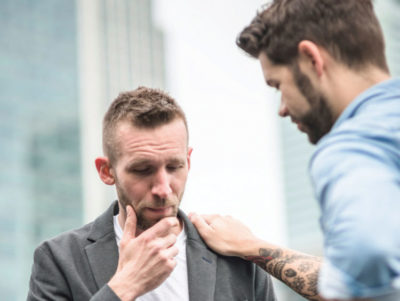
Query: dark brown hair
(347, 29)
(144, 108)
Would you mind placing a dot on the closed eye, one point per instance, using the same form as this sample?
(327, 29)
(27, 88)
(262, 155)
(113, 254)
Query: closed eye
(174, 167)
(141, 171)
(273, 83)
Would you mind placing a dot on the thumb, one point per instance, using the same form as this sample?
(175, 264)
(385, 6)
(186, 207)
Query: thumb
(130, 224)
(202, 226)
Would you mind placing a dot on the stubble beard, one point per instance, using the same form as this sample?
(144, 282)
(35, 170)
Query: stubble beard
(142, 222)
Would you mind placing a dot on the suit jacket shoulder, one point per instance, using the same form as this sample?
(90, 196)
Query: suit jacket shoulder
(77, 264)
(215, 277)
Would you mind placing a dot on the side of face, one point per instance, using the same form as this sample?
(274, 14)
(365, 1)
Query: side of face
(306, 106)
(151, 171)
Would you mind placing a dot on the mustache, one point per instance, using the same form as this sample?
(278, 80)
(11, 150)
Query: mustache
(163, 202)
(158, 202)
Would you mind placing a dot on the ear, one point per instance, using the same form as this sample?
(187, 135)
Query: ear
(104, 170)
(310, 55)
(188, 156)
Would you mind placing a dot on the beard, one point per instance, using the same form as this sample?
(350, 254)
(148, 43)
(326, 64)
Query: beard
(143, 223)
(319, 120)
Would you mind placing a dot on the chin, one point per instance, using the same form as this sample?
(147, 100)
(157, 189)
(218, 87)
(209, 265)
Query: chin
(146, 223)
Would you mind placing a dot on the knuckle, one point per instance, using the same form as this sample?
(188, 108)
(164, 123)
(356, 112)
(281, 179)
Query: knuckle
(146, 238)
(123, 244)
(171, 221)
(155, 246)
(171, 237)
(164, 258)
(175, 250)
(172, 264)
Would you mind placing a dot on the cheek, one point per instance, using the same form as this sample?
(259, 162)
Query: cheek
(178, 184)
(132, 189)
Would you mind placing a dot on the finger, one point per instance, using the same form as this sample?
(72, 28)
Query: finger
(171, 252)
(166, 242)
(164, 227)
(210, 218)
(200, 223)
(130, 224)
(169, 240)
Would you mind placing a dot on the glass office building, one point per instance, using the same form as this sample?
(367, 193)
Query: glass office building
(39, 125)
(42, 139)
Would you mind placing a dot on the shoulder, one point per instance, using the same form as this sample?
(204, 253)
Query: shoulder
(373, 133)
(233, 268)
(71, 242)
(67, 244)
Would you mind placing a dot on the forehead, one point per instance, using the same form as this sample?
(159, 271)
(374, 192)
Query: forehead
(170, 138)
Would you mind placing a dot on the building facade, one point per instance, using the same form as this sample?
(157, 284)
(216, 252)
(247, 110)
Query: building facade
(62, 63)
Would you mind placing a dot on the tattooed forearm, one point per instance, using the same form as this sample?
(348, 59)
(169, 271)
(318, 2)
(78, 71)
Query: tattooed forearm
(298, 271)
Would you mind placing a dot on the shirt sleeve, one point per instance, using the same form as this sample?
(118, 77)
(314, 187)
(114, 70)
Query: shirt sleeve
(357, 183)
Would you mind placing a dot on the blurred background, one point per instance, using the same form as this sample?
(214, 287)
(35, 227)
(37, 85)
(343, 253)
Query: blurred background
(61, 64)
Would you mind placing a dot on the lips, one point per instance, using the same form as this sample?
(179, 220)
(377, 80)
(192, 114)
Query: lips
(160, 209)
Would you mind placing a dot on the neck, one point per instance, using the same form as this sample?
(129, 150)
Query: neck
(346, 84)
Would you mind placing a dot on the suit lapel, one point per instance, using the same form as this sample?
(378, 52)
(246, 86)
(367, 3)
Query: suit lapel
(102, 253)
(201, 265)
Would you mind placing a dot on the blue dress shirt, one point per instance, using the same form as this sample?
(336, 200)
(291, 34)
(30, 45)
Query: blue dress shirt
(355, 171)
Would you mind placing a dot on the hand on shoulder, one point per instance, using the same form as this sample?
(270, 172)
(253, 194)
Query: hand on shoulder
(226, 235)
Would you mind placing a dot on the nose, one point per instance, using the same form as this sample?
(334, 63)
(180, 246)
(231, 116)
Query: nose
(161, 185)
(283, 111)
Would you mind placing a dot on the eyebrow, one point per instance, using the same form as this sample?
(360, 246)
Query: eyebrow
(176, 161)
(139, 162)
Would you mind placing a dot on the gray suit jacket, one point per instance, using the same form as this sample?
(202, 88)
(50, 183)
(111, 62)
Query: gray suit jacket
(77, 265)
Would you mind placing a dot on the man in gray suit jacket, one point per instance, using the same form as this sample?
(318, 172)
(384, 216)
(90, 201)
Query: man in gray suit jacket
(143, 247)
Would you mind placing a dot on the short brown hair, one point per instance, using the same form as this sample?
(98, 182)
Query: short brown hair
(144, 108)
(347, 29)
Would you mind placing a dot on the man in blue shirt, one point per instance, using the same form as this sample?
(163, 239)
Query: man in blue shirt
(327, 59)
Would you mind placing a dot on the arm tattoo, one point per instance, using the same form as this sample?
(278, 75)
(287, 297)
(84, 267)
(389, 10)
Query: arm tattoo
(298, 271)
(290, 273)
